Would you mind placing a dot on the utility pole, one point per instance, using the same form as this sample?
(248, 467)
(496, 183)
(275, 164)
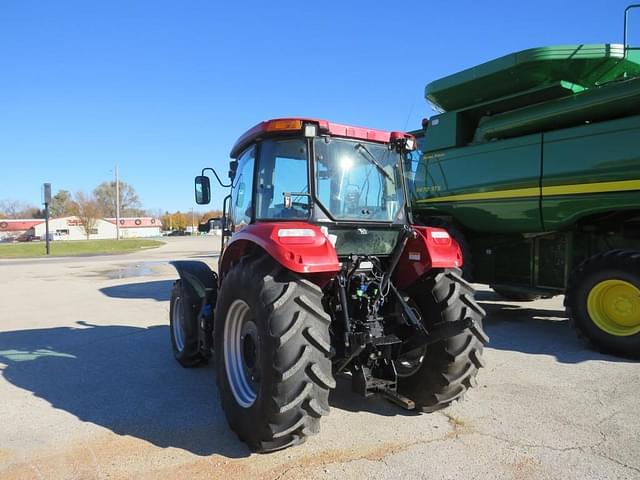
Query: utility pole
(46, 199)
(117, 205)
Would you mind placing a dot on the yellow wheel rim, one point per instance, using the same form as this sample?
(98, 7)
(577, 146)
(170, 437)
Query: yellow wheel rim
(614, 306)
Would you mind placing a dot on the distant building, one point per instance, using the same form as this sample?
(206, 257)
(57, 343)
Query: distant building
(213, 226)
(70, 228)
(137, 227)
(12, 230)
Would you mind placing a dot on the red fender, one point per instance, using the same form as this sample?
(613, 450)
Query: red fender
(297, 246)
(433, 248)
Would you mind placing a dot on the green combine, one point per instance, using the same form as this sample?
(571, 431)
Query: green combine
(534, 166)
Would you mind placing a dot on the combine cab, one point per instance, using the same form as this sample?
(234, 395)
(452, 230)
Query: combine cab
(322, 273)
(534, 167)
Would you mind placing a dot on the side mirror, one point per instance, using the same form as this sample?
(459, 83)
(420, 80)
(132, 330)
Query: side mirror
(203, 190)
(233, 168)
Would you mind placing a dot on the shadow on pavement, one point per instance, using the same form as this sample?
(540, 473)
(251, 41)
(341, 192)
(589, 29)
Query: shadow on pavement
(538, 331)
(159, 290)
(344, 399)
(122, 378)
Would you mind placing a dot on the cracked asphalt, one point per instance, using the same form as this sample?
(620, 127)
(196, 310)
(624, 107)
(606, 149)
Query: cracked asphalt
(89, 389)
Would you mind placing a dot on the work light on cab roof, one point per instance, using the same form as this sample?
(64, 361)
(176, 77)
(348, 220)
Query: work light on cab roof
(313, 127)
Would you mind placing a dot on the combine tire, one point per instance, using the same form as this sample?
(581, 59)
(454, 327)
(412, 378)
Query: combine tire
(272, 347)
(515, 296)
(603, 301)
(183, 323)
(445, 370)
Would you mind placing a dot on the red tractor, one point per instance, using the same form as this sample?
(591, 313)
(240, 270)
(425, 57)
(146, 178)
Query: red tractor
(322, 273)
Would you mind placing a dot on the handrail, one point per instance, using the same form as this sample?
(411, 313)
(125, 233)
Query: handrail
(626, 17)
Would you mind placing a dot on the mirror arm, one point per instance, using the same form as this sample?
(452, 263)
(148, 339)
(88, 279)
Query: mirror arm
(225, 231)
(217, 177)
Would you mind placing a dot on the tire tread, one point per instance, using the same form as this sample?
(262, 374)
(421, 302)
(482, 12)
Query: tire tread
(297, 327)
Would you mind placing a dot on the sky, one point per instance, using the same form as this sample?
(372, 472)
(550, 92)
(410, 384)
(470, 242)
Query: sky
(164, 88)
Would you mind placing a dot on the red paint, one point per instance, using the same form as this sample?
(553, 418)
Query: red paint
(10, 225)
(324, 126)
(136, 222)
(304, 255)
(439, 252)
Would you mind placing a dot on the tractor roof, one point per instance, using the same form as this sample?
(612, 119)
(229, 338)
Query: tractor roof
(290, 125)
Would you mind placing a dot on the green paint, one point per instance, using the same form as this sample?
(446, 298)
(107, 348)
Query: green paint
(585, 65)
(537, 159)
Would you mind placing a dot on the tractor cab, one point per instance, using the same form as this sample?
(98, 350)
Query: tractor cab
(337, 177)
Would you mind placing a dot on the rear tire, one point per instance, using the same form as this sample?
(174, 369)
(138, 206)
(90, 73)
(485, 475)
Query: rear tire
(183, 323)
(272, 350)
(449, 367)
(603, 301)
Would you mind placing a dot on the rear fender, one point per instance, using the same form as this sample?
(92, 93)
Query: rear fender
(200, 280)
(432, 248)
(198, 277)
(297, 246)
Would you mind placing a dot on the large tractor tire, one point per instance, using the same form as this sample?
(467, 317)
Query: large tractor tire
(457, 234)
(603, 301)
(183, 323)
(272, 347)
(442, 372)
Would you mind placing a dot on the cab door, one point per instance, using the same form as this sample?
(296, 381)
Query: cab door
(240, 212)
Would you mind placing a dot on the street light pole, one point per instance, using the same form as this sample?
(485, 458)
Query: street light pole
(117, 205)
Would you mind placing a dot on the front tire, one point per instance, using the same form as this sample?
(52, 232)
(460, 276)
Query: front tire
(603, 301)
(272, 350)
(447, 368)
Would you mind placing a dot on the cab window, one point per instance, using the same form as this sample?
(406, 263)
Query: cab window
(241, 193)
(282, 169)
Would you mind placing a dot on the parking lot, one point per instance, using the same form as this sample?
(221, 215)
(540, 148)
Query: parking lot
(89, 389)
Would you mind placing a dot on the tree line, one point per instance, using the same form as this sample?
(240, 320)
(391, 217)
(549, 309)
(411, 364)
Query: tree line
(101, 203)
(181, 220)
(64, 204)
(88, 207)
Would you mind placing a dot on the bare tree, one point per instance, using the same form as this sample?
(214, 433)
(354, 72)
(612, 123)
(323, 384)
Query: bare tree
(105, 194)
(16, 209)
(153, 212)
(88, 211)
